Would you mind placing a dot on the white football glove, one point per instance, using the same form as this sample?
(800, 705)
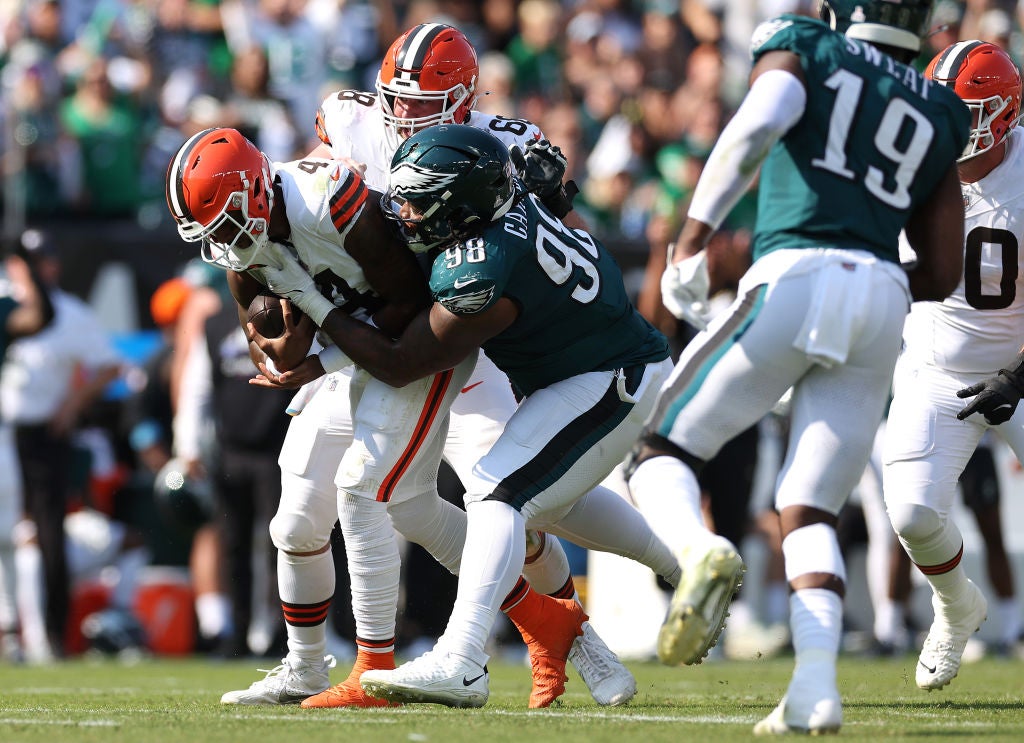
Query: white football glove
(287, 278)
(684, 288)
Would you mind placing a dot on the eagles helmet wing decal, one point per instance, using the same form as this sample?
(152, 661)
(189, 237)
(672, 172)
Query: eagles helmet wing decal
(409, 178)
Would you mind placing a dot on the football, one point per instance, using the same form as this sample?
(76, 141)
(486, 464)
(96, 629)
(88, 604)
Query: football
(266, 315)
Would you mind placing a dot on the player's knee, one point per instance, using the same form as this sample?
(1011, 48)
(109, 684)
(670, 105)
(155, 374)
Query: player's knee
(651, 445)
(294, 532)
(914, 522)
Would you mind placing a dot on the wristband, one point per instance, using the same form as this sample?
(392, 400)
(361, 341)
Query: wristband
(333, 359)
(1014, 374)
(314, 304)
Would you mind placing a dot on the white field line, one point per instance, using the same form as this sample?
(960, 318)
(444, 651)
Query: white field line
(65, 723)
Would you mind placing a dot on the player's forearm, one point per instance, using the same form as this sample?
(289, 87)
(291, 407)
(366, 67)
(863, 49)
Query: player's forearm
(370, 349)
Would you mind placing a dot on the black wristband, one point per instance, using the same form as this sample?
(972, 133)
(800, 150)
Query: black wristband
(1015, 374)
(559, 201)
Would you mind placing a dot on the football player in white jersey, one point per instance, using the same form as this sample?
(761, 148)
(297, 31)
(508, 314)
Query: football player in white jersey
(223, 191)
(429, 76)
(964, 346)
(219, 189)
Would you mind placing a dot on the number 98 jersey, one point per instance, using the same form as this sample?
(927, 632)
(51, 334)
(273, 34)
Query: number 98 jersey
(980, 326)
(874, 140)
(574, 313)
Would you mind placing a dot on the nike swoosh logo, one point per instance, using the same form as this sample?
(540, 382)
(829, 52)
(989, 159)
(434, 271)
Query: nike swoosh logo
(469, 682)
(285, 697)
(475, 384)
(930, 670)
(459, 283)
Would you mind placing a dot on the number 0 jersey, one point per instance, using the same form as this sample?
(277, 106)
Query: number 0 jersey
(980, 326)
(323, 199)
(350, 122)
(575, 316)
(875, 139)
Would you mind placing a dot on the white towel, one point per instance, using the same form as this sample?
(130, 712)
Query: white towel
(837, 311)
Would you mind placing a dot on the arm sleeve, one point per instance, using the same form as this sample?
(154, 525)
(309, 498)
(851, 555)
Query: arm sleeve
(774, 103)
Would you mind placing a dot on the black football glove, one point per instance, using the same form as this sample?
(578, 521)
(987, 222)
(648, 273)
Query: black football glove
(541, 168)
(996, 397)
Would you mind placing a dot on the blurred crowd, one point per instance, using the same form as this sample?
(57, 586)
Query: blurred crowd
(96, 96)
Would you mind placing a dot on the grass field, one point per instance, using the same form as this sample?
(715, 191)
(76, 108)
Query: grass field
(178, 701)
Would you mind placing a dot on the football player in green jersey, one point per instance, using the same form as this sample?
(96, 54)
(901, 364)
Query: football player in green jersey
(853, 146)
(548, 306)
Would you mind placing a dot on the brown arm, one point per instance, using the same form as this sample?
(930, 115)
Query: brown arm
(936, 233)
(390, 268)
(435, 340)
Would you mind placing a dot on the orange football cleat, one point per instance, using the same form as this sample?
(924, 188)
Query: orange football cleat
(348, 693)
(548, 626)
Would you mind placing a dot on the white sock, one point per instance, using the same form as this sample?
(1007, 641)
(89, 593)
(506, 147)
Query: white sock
(213, 610)
(436, 525)
(889, 621)
(1009, 620)
(28, 561)
(603, 520)
(305, 584)
(816, 621)
(8, 587)
(374, 565)
(491, 565)
(548, 569)
(668, 495)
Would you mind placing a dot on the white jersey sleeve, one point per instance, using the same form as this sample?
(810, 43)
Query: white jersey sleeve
(323, 199)
(980, 326)
(350, 122)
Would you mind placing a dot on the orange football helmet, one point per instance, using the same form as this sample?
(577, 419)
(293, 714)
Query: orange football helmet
(220, 190)
(988, 81)
(429, 62)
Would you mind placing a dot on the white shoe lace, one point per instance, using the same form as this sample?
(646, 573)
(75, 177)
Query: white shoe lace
(592, 659)
(277, 677)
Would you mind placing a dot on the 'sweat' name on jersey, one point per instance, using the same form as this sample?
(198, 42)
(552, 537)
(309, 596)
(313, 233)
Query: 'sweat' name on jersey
(910, 77)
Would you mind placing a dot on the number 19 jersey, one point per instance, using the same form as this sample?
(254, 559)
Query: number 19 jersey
(875, 139)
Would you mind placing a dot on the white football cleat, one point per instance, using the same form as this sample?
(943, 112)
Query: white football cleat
(944, 646)
(700, 603)
(434, 678)
(610, 682)
(808, 717)
(289, 683)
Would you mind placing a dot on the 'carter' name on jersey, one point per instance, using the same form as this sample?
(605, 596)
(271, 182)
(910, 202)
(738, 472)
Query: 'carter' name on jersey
(910, 77)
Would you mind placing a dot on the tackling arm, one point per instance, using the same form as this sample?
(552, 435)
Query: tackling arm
(435, 340)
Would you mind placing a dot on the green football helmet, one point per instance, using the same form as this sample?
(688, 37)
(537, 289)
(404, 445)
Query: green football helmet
(447, 183)
(895, 23)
